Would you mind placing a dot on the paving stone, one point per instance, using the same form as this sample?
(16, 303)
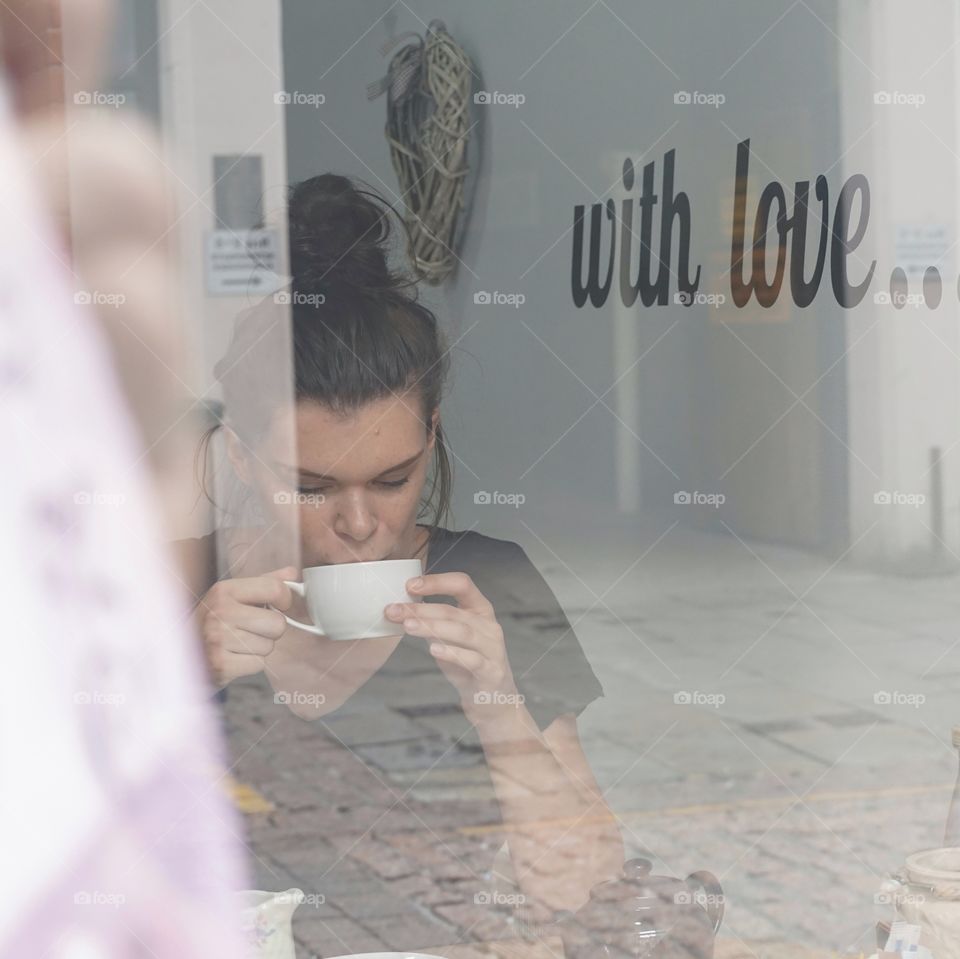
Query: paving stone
(870, 745)
(368, 903)
(384, 726)
(485, 922)
(323, 938)
(851, 718)
(414, 930)
(424, 753)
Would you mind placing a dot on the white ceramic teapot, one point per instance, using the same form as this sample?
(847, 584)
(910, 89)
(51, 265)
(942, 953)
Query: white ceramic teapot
(267, 922)
(926, 892)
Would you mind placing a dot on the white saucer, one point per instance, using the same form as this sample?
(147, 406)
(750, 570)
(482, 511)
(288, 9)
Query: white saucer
(389, 955)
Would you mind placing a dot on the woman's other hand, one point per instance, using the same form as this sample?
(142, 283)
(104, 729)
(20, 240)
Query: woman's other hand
(237, 629)
(466, 641)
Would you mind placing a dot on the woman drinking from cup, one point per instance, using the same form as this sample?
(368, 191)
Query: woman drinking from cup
(369, 366)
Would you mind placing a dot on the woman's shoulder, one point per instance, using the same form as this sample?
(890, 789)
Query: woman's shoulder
(450, 548)
(501, 568)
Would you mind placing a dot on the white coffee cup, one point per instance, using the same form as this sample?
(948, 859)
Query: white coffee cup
(346, 600)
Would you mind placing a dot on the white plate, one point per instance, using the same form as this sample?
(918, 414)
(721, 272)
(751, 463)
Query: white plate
(389, 955)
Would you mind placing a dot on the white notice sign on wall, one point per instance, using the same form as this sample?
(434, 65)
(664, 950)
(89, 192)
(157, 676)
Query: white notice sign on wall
(241, 262)
(919, 246)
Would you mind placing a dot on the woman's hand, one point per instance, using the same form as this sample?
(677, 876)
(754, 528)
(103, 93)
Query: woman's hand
(237, 631)
(466, 641)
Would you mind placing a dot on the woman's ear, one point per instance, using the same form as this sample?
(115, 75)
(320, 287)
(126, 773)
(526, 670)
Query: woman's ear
(237, 455)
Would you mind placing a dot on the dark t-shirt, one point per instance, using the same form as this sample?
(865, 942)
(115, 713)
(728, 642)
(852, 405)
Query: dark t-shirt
(548, 663)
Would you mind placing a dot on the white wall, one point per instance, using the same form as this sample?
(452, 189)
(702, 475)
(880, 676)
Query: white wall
(904, 366)
(221, 69)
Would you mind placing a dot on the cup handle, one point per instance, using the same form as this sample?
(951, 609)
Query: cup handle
(299, 589)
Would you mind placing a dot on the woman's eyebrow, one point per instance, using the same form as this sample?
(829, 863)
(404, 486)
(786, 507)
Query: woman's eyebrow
(391, 469)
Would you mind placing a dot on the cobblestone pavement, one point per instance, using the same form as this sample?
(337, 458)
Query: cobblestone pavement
(778, 720)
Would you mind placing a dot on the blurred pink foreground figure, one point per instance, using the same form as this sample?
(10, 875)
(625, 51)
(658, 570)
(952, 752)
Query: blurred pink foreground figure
(117, 837)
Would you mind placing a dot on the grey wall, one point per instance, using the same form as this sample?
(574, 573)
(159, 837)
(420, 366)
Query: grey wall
(599, 83)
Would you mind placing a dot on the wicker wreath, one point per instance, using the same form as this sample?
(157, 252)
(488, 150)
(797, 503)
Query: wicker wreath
(428, 84)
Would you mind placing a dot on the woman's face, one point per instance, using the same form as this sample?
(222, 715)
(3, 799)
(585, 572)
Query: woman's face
(357, 481)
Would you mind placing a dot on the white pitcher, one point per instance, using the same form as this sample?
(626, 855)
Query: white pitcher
(267, 922)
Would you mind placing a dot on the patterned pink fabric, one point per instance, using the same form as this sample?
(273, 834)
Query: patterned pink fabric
(117, 839)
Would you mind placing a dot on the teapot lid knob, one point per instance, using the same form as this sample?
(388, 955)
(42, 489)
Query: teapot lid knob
(637, 868)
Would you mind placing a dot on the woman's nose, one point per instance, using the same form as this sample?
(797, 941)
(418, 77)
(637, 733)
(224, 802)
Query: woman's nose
(355, 519)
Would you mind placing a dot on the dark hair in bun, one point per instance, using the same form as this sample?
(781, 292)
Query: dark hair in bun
(338, 236)
(359, 334)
